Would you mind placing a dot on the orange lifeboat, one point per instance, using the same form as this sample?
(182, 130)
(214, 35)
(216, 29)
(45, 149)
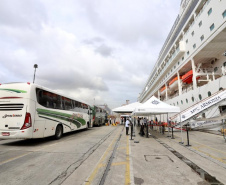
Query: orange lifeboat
(174, 83)
(187, 78)
(163, 90)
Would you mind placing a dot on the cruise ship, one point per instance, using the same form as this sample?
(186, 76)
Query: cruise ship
(191, 66)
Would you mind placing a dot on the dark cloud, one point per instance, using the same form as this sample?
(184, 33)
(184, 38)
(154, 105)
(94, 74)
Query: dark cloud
(104, 50)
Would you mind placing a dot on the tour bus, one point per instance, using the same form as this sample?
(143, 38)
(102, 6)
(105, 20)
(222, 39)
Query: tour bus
(32, 111)
(99, 116)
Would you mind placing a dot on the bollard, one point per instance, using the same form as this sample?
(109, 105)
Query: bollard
(163, 129)
(131, 132)
(187, 136)
(172, 133)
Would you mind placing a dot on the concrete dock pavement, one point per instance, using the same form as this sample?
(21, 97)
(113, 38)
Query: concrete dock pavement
(157, 160)
(162, 160)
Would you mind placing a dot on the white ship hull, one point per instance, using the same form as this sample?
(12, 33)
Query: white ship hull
(196, 44)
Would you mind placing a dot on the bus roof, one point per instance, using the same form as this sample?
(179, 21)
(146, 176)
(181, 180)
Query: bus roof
(41, 87)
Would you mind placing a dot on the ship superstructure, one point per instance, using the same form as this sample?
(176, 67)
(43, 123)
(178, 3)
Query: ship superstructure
(192, 62)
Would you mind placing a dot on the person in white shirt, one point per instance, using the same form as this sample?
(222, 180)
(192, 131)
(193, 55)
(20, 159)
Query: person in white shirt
(127, 126)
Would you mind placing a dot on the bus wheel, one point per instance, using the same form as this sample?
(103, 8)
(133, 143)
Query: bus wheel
(58, 132)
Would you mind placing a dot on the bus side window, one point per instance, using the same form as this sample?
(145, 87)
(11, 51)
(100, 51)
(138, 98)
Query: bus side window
(40, 97)
(58, 102)
(63, 103)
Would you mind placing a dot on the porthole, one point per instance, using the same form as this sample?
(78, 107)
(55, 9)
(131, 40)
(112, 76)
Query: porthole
(200, 96)
(209, 93)
(192, 98)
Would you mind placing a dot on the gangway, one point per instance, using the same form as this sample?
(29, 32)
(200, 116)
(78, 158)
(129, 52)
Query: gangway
(202, 106)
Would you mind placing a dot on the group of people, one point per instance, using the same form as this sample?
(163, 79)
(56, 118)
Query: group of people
(143, 122)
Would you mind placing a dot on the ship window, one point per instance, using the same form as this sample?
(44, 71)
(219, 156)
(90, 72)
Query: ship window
(200, 23)
(187, 41)
(182, 102)
(177, 103)
(186, 100)
(192, 98)
(193, 33)
(209, 93)
(194, 46)
(188, 53)
(224, 64)
(210, 11)
(203, 115)
(221, 88)
(182, 58)
(215, 69)
(202, 37)
(178, 63)
(224, 14)
(200, 96)
(212, 27)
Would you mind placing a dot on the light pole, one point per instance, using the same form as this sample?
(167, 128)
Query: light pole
(35, 66)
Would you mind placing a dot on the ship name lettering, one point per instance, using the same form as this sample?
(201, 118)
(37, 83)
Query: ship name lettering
(210, 102)
(194, 110)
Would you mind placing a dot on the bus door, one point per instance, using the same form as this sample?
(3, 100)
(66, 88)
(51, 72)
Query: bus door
(38, 123)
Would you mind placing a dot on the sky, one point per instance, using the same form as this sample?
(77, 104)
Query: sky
(99, 51)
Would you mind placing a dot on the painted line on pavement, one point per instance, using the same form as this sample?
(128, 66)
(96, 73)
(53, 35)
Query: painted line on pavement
(14, 158)
(100, 163)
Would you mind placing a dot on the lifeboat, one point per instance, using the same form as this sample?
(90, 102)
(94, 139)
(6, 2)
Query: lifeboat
(163, 91)
(173, 84)
(187, 78)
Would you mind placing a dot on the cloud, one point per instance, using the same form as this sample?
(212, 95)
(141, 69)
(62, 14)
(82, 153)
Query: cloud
(22, 14)
(102, 50)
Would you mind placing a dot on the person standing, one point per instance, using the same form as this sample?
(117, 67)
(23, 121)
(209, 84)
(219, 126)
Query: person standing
(142, 126)
(127, 126)
(110, 121)
(146, 126)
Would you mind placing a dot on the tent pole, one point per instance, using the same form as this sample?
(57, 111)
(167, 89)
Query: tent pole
(181, 131)
(168, 123)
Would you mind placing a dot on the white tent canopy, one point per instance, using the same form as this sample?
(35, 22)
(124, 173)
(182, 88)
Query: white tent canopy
(155, 106)
(127, 108)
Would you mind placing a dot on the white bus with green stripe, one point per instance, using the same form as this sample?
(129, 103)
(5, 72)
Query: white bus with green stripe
(32, 111)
